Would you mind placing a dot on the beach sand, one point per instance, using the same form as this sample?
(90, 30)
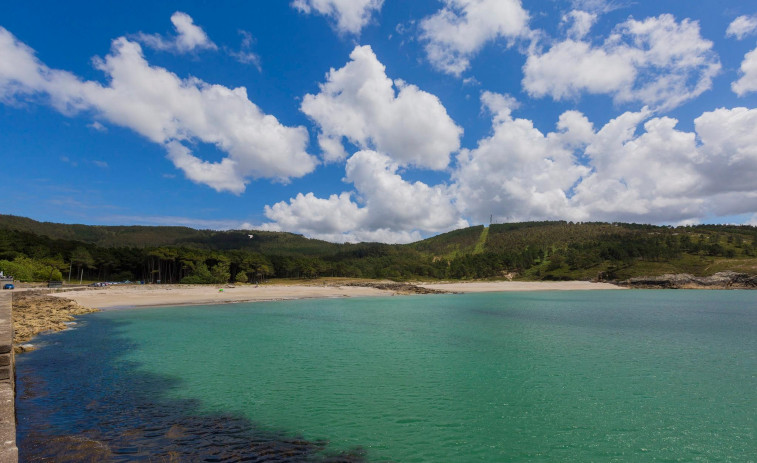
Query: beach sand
(161, 295)
(502, 286)
(37, 310)
(111, 297)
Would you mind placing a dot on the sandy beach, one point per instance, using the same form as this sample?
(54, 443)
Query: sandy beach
(161, 295)
(37, 310)
(113, 297)
(502, 286)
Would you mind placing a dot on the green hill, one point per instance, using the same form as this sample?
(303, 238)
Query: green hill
(156, 236)
(530, 250)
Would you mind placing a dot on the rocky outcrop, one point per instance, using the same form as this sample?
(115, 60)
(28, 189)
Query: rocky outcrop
(720, 280)
(399, 288)
(36, 312)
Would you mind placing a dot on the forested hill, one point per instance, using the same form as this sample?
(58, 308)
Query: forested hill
(156, 236)
(32, 250)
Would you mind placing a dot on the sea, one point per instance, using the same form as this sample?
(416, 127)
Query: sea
(584, 376)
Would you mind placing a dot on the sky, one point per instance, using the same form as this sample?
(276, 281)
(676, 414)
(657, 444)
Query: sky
(378, 120)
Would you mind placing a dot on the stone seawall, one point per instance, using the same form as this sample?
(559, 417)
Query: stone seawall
(8, 449)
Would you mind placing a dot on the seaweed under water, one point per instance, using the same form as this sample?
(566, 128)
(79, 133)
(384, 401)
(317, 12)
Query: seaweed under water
(78, 403)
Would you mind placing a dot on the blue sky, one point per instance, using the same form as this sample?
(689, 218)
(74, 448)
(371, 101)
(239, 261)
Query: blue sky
(391, 120)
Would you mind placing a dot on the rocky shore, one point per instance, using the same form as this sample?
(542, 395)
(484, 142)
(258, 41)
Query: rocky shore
(397, 288)
(721, 280)
(36, 312)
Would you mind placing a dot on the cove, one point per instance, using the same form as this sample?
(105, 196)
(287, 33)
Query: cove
(547, 376)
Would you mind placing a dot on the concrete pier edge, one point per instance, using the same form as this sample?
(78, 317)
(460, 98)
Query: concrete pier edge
(8, 449)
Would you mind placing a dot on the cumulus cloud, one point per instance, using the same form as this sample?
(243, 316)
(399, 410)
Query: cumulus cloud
(350, 15)
(652, 176)
(360, 103)
(748, 80)
(386, 208)
(659, 62)
(634, 168)
(189, 37)
(729, 145)
(176, 113)
(580, 23)
(637, 167)
(742, 27)
(518, 173)
(454, 34)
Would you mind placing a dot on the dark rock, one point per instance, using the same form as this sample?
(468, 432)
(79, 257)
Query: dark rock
(720, 280)
(401, 288)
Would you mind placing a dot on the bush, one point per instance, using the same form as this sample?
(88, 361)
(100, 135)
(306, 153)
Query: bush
(200, 276)
(26, 269)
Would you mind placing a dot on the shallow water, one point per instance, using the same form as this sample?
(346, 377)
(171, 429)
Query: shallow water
(552, 376)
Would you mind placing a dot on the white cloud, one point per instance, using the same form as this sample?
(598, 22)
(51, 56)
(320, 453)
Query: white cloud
(518, 173)
(591, 69)
(499, 105)
(454, 34)
(189, 37)
(359, 102)
(598, 6)
(392, 210)
(742, 27)
(168, 110)
(350, 15)
(658, 62)
(634, 168)
(729, 143)
(652, 176)
(20, 72)
(221, 176)
(96, 125)
(748, 80)
(580, 22)
(244, 55)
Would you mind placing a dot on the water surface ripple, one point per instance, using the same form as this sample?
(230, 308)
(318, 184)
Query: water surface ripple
(553, 376)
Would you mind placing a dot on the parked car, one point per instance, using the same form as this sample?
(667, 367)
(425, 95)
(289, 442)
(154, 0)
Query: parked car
(8, 286)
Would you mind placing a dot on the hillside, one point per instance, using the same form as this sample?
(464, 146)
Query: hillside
(155, 236)
(554, 250)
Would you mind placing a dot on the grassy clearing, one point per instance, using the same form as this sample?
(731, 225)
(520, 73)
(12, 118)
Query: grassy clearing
(481, 244)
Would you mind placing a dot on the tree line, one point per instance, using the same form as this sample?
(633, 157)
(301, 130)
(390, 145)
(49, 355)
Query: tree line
(553, 248)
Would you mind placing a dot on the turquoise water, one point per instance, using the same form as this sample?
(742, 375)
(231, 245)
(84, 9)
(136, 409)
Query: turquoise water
(551, 376)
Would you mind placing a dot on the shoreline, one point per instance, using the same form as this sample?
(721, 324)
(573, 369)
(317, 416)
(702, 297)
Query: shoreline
(144, 296)
(519, 286)
(39, 310)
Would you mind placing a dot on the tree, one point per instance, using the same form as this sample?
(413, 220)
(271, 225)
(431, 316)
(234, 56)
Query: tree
(80, 257)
